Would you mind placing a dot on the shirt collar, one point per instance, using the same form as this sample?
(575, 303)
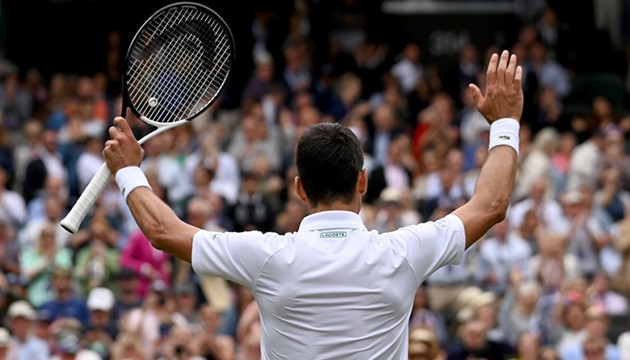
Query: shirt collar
(334, 219)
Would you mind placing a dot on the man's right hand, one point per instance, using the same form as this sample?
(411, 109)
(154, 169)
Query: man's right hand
(122, 149)
(504, 93)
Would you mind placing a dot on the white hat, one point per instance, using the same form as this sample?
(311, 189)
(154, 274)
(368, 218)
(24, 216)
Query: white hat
(390, 195)
(466, 296)
(23, 309)
(101, 299)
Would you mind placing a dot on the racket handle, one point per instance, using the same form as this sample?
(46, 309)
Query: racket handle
(86, 201)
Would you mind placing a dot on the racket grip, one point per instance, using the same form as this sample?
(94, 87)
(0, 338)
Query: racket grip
(86, 201)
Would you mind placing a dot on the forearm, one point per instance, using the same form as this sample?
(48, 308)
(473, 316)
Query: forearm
(493, 191)
(160, 224)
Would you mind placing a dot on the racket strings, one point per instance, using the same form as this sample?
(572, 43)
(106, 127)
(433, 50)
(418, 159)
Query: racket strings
(178, 65)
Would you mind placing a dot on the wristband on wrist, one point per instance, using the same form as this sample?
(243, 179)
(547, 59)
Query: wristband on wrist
(129, 178)
(504, 132)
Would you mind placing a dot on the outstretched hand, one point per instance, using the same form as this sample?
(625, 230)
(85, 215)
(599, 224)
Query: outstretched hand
(122, 149)
(504, 92)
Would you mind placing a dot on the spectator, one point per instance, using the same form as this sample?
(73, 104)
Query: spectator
(102, 329)
(15, 102)
(538, 164)
(12, 205)
(23, 152)
(187, 302)
(443, 189)
(408, 69)
(168, 171)
(422, 316)
(527, 346)
(253, 210)
(572, 322)
(149, 263)
(153, 320)
(560, 159)
(499, 255)
(473, 343)
(68, 347)
(53, 186)
(592, 344)
(548, 353)
(611, 196)
(447, 283)
(45, 160)
(212, 343)
(519, 312)
(260, 81)
(547, 209)
(552, 265)
(395, 172)
(609, 301)
(394, 209)
(25, 345)
(424, 345)
(585, 162)
(38, 263)
(66, 303)
(385, 127)
(54, 210)
(586, 236)
(251, 141)
(548, 71)
(127, 347)
(126, 293)
(90, 160)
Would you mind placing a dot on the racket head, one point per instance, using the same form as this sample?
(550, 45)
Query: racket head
(177, 64)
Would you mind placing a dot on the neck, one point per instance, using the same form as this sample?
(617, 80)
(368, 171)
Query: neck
(336, 205)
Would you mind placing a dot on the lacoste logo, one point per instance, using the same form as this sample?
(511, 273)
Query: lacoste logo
(333, 234)
(504, 137)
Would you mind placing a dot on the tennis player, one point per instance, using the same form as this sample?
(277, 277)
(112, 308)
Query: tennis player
(333, 289)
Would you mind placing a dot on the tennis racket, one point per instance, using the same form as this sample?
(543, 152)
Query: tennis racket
(176, 67)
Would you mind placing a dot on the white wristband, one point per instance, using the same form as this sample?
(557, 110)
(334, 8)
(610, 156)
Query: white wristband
(504, 132)
(129, 178)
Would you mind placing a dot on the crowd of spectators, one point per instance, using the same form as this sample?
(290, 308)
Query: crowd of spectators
(549, 282)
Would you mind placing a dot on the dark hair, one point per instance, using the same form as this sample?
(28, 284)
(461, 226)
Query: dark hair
(329, 159)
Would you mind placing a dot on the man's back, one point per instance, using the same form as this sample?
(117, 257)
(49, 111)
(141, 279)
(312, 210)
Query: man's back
(332, 289)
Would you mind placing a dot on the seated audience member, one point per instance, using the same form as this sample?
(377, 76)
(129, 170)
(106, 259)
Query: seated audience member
(127, 293)
(500, 254)
(102, 329)
(24, 345)
(66, 303)
(423, 316)
(591, 340)
(149, 263)
(37, 263)
(473, 343)
(424, 345)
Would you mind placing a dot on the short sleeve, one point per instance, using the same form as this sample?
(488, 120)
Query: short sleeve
(431, 245)
(237, 257)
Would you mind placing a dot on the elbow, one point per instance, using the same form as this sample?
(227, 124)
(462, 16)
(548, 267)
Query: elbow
(157, 234)
(497, 210)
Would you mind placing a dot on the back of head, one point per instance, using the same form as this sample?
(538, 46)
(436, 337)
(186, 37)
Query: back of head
(329, 159)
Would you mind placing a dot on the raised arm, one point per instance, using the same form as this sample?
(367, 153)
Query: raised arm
(502, 106)
(155, 218)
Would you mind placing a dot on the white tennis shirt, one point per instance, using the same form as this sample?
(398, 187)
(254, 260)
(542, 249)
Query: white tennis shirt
(332, 290)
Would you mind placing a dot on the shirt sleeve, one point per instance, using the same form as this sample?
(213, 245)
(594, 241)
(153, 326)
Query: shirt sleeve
(238, 257)
(431, 245)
